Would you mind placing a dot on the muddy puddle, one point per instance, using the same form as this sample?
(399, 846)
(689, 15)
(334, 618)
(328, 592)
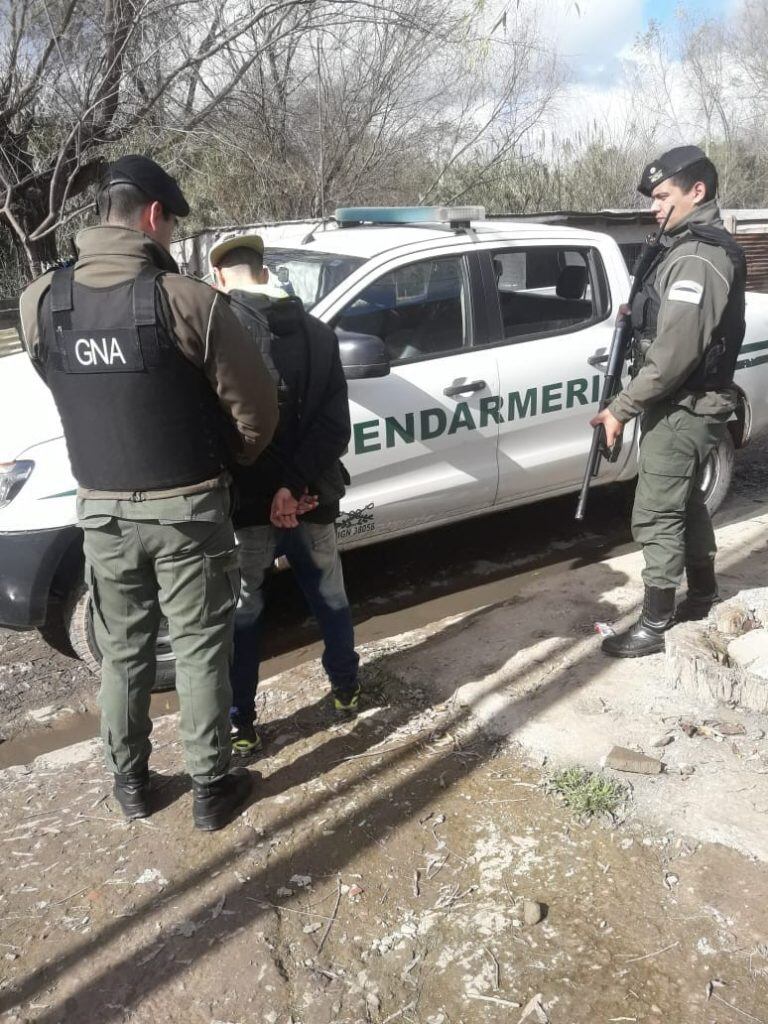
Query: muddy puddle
(65, 729)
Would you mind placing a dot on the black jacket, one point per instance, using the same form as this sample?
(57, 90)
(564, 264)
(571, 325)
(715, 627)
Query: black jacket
(314, 428)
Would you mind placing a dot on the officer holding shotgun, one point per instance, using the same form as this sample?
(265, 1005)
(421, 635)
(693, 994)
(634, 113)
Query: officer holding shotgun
(687, 321)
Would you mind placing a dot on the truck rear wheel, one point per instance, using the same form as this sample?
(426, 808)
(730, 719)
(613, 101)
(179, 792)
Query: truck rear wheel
(717, 473)
(78, 622)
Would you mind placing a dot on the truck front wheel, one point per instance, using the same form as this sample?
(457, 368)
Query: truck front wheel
(78, 622)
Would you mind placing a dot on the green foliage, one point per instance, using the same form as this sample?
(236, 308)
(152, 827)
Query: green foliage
(587, 793)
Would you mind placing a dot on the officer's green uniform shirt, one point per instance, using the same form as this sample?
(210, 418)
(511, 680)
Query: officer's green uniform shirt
(693, 282)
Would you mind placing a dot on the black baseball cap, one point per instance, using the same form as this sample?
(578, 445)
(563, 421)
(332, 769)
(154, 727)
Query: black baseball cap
(150, 178)
(667, 166)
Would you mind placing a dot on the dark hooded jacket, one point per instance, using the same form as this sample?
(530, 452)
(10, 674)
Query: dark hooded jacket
(313, 431)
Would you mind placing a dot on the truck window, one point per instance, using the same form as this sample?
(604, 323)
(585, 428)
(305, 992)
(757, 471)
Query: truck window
(419, 310)
(547, 290)
(310, 275)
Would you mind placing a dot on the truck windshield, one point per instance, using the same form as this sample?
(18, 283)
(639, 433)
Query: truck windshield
(310, 275)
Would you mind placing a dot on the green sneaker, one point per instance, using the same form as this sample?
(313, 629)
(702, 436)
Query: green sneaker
(346, 702)
(245, 740)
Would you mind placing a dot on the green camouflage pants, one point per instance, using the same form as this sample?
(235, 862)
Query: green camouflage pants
(176, 557)
(669, 518)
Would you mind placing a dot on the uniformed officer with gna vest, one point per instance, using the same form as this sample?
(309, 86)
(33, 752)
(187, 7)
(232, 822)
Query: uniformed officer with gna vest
(688, 326)
(158, 388)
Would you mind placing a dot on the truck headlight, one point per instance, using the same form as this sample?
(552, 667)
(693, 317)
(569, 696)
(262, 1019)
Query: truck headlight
(13, 476)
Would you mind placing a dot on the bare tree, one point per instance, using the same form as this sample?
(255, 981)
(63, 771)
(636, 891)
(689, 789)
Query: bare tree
(391, 106)
(362, 105)
(655, 76)
(497, 96)
(706, 83)
(82, 78)
(748, 42)
(748, 45)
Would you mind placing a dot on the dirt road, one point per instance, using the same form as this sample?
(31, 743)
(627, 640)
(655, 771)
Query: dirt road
(393, 868)
(381, 876)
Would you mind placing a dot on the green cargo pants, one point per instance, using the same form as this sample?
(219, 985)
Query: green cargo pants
(174, 556)
(669, 518)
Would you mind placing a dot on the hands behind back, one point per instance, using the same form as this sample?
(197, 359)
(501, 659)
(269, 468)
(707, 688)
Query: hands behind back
(286, 509)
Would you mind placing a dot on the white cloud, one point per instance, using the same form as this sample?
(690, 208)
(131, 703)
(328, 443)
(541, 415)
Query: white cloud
(585, 106)
(596, 39)
(599, 95)
(594, 36)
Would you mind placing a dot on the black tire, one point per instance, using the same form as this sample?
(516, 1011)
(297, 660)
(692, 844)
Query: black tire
(718, 473)
(78, 621)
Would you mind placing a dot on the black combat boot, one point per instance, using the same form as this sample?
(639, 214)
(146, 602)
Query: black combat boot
(702, 593)
(214, 803)
(132, 793)
(647, 634)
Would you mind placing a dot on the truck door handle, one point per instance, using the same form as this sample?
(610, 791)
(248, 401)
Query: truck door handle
(460, 389)
(598, 359)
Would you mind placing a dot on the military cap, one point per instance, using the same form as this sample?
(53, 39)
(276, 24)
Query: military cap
(667, 166)
(150, 177)
(229, 242)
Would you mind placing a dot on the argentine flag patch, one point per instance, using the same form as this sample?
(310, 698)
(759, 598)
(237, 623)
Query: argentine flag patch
(686, 291)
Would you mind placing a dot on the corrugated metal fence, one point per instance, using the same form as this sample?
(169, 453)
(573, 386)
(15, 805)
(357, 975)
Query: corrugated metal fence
(755, 245)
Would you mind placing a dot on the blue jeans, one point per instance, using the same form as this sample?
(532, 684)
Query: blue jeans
(313, 555)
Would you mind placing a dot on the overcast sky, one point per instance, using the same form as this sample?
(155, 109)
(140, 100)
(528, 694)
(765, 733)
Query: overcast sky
(596, 38)
(597, 35)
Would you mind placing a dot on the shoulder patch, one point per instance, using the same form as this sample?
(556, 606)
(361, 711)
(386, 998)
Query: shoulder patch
(686, 291)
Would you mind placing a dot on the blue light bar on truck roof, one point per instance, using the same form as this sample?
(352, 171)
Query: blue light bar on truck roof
(346, 216)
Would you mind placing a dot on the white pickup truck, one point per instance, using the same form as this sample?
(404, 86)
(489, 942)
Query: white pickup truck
(473, 357)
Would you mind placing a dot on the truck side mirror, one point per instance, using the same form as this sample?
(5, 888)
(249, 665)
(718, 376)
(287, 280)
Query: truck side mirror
(362, 355)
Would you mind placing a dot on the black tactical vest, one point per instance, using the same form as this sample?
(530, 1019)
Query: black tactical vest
(137, 415)
(718, 364)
